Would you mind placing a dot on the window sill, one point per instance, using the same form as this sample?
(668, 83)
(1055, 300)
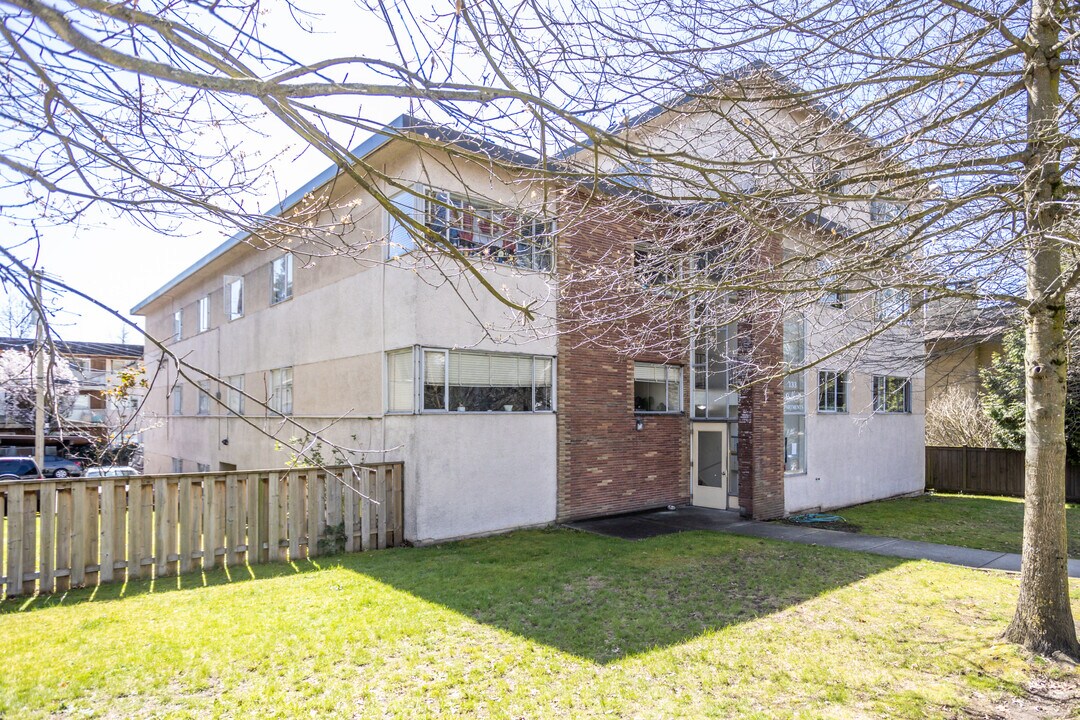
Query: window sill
(831, 412)
(279, 302)
(660, 412)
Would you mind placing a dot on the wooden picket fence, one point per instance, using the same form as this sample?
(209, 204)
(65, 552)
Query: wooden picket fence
(102, 530)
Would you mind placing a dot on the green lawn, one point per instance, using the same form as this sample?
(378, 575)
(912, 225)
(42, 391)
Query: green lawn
(533, 624)
(975, 521)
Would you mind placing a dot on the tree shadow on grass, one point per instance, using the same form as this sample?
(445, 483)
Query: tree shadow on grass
(595, 597)
(604, 599)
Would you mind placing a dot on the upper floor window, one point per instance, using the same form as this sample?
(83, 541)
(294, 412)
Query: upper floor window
(892, 304)
(234, 297)
(657, 388)
(884, 211)
(178, 324)
(653, 268)
(832, 391)
(281, 279)
(178, 399)
(204, 314)
(892, 394)
(460, 381)
(831, 293)
(281, 391)
(475, 227)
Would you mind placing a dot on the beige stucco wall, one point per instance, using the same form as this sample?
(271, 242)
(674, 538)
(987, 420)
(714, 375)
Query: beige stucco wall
(464, 473)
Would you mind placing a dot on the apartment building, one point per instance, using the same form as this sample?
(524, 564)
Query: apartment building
(391, 352)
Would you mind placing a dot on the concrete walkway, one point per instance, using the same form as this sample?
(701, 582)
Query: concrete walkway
(664, 522)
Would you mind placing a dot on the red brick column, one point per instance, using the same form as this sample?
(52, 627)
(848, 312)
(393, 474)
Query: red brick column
(761, 412)
(605, 466)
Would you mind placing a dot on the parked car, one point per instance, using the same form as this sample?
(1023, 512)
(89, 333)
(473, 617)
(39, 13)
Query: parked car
(111, 471)
(61, 468)
(15, 468)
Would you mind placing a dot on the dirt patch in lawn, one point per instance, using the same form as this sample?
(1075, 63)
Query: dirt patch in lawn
(841, 525)
(1043, 698)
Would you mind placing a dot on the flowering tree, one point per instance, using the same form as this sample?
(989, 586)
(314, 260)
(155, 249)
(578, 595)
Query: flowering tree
(17, 387)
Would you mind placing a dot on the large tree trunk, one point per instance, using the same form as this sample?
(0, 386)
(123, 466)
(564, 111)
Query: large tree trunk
(1043, 621)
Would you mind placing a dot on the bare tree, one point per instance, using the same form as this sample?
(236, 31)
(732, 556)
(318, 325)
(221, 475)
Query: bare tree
(889, 155)
(16, 317)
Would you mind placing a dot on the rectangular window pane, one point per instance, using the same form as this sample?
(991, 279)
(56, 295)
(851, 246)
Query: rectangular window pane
(657, 388)
(178, 400)
(281, 279)
(399, 370)
(204, 397)
(235, 393)
(542, 381)
(178, 324)
(489, 231)
(177, 465)
(832, 391)
(398, 238)
(234, 297)
(434, 380)
(204, 314)
(794, 443)
(892, 394)
(281, 391)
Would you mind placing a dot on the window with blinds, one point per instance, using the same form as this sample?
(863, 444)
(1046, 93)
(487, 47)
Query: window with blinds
(657, 388)
(462, 381)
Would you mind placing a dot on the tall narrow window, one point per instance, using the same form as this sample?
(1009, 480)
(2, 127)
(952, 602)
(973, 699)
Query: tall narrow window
(204, 314)
(235, 394)
(204, 398)
(177, 465)
(399, 239)
(178, 324)
(281, 279)
(657, 388)
(234, 297)
(832, 392)
(399, 381)
(794, 395)
(281, 391)
(178, 399)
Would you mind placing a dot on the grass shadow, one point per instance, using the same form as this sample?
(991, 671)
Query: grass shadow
(604, 599)
(595, 597)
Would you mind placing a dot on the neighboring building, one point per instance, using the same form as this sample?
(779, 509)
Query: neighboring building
(961, 340)
(95, 414)
(501, 427)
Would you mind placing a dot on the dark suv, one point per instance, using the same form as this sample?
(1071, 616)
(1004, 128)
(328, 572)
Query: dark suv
(14, 468)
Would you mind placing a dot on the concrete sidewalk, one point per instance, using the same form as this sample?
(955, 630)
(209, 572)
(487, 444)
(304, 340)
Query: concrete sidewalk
(664, 522)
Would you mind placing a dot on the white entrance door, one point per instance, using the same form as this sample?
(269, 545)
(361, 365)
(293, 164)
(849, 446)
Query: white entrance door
(709, 472)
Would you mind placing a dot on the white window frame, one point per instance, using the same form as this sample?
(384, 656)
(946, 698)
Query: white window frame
(839, 391)
(204, 314)
(892, 304)
(203, 401)
(178, 399)
(285, 261)
(234, 297)
(880, 393)
(178, 324)
(670, 372)
(234, 398)
(419, 377)
(277, 399)
(415, 366)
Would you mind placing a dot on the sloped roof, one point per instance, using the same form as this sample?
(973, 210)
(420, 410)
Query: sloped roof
(77, 348)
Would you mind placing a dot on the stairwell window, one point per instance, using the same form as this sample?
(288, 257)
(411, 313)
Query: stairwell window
(892, 394)
(281, 391)
(281, 279)
(657, 388)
